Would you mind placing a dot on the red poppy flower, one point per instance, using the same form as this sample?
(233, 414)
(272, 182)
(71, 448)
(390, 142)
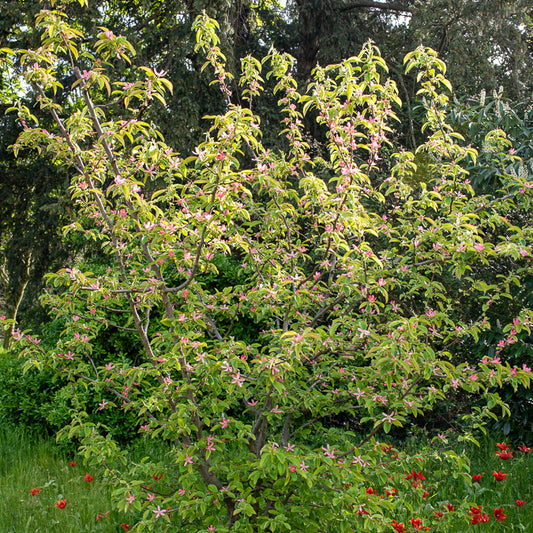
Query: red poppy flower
(416, 523)
(399, 527)
(61, 504)
(499, 476)
(72, 464)
(126, 527)
(34, 492)
(415, 476)
(502, 446)
(88, 477)
(498, 514)
(520, 503)
(477, 477)
(505, 455)
(479, 518)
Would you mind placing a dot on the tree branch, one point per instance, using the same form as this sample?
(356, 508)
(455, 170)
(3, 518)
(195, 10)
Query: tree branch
(389, 6)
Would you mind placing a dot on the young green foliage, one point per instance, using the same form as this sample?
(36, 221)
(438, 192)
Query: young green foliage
(347, 306)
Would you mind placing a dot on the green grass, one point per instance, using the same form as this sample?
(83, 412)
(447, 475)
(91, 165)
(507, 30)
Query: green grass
(33, 463)
(27, 463)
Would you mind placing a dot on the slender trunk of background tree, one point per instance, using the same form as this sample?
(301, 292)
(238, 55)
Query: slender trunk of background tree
(15, 289)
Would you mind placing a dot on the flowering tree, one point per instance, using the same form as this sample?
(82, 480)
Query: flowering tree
(349, 296)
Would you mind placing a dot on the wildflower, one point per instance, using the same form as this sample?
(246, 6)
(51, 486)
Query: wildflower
(438, 514)
(61, 504)
(426, 494)
(72, 464)
(449, 506)
(479, 518)
(505, 455)
(157, 478)
(88, 477)
(130, 498)
(502, 446)
(34, 492)
(125, 527)
(415, 476)
(524, 449)
(399, 527)
(416, 523)
(498, 514)
(477, 477)
(520, 503)
(188, 460)
(499, 476)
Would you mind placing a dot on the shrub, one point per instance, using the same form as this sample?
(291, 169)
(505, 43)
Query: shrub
(340, 293)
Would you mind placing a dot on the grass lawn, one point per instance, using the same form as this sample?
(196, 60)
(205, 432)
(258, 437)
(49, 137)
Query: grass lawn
(27, 464)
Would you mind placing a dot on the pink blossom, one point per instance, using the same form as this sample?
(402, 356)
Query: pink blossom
(330, 453)
(237, 379)
(159, 512)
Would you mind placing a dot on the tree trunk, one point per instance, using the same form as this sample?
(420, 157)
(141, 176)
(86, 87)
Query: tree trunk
(15, 289)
